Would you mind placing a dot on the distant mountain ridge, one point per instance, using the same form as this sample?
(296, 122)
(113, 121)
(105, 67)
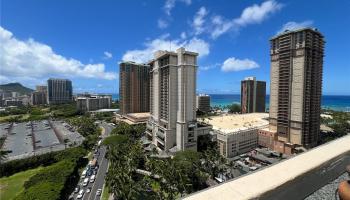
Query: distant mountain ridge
(16, 87)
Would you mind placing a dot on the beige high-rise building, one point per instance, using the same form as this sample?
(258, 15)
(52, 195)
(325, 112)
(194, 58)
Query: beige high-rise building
(133, 87)
(172, 125)
(296, 86)
(41, 88)
(40, 95)
(38, 98)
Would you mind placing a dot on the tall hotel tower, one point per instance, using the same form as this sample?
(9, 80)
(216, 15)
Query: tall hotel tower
(253, 95)
(173, 100)
(60, 91)
(133, 87)
(296, 86)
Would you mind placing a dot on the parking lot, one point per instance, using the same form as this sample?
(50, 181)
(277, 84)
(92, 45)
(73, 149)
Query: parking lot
(43, 134)
(18, 141)
(65, 131)
(37, 137)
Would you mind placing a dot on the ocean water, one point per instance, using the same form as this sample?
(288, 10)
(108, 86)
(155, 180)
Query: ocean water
(339, 103)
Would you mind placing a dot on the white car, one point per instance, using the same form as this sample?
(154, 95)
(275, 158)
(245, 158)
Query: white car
(81, 194)
(84, 173)
(92, 178)
(86, 182)
(98, 192)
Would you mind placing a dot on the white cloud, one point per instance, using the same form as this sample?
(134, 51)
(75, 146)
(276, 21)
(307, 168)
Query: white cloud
(256, 14)
(220, 26)
(187, 2)
(170, 4)
(234, 64)
(37, 60)
(251, 15)
(295, 25)
(162, 23)
(4, 79)
(107, 55)
(163, 43)
(183, 35)
(198, 20)
(209, 67)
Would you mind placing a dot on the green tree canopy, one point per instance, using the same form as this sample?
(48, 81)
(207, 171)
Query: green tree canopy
(234, 108)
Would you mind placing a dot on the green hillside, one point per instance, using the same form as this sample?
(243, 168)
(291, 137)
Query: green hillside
(15, 87)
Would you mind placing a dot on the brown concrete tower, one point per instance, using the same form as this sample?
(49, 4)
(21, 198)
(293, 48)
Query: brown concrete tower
(133, 87)
(253, 95)
(296, 86)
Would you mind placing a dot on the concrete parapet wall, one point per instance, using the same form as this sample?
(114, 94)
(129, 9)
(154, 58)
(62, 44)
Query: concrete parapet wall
(295, 178)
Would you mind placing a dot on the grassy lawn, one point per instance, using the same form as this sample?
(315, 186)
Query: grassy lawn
(45, 110)
(105, 193)
(13, 185)
(25, 116)
(6, 118)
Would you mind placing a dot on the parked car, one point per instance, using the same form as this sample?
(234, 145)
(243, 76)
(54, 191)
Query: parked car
(84, 173)
(81, 194)
(88, 190)
(95, 172)
(92, 178)
(98, 192)
(76, 190)
(89, 172)
(86, 182)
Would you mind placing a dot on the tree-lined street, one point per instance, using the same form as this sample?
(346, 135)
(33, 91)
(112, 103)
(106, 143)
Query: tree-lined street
(102, 169)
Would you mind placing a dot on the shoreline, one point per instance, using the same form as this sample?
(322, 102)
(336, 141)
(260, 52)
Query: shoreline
(332, 102)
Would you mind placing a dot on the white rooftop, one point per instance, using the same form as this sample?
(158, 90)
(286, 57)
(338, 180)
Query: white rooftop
(230, 123)
(140, 115)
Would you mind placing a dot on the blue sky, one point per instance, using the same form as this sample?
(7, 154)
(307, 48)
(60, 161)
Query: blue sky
(84, 39)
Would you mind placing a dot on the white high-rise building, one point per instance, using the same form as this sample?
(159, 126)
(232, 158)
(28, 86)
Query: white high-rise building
(172, 124)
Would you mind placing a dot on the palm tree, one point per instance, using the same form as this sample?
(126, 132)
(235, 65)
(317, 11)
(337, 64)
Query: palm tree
(231, 165)
(124, 160)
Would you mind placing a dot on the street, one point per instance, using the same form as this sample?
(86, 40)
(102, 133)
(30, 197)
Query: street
(102, 169)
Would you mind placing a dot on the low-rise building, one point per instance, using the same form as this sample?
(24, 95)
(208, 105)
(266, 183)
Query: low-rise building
(135, 118)
(6, 94)
(13, 102)
(25, 99)
(268, 138)
(237, 133)
(93, 102)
